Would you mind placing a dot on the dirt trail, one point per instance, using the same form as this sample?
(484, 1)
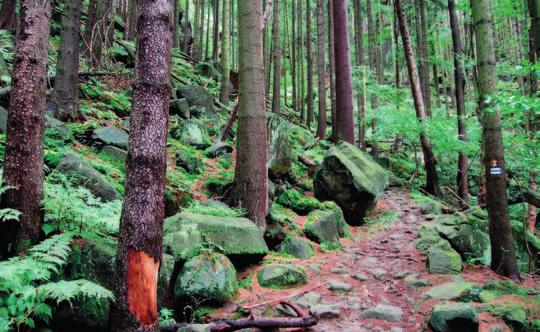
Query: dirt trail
(374, 267)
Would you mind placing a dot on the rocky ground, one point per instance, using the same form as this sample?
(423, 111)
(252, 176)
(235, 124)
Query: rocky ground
(379, 281)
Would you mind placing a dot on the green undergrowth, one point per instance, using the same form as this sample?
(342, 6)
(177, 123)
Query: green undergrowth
(380, 220)
(214, 210)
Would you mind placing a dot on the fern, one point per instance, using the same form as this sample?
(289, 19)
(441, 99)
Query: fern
(26, 286)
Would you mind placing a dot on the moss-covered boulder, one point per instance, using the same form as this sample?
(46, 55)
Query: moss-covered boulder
(114, 153)
(442, 259)
(298, 247)
(188, 162)
(186, 234)
(281, 276)
(279, 147)
(352, 179)
(323, 227)
(72, 165)
(197, 96)
(450, 291)
(427, 237)
(219, 149)
(179, 107)
(458, 317)
(192, 132)
(525, 239)
(298, 202)
(110, 135)
(210, 277)
(166, 269)
(494, 289)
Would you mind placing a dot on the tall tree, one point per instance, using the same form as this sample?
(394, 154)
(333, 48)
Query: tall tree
(66, 84)
(503, 258)
(132, 20)
(372, 45)
(534, 40)
(8, 14)
(423, 54)
(187, 30)
(294, 57)
(309, 56)
(332, 59)
(215, 44)
(430, 163)
(321, 71)
(276, 91)
(225, 59)
(176, 23)
(250, 178)
(23, 162)
(141, 224)
(344, 94)
(359, 61)
(196, 31)
(463, 162)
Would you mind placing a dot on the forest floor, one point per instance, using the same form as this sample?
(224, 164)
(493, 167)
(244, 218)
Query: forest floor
(374, 267)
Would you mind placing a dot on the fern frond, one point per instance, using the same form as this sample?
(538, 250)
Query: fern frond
(68, 290)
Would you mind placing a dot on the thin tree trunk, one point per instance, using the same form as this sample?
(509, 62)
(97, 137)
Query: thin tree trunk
(344, 94)
(250, 180)
(321, 71)
(215, 45)
(301, 75)
(358, 38)
(66, 84)
(503, 259)
(276, 88)
(185, 46)
(294, 56)
(132, 17)
(309, 56)
(534, 40)
(201, 30)
(432, 181)
(196, 31)
(23, 162)
(141, 225)
(207, 42)
(8, 15)
(225, 61)
(332, 58)
(176, 23)
(372, 32)
(426, 90)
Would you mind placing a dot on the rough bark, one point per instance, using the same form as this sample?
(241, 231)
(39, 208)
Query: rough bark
(359, 62)
(276, 88)
(344, 94)
(141, 225)
(185, 42)
(225, 60)
(251, 172)
(8, 14)
(131, 31)
(215, 44)
(372, 45)
(23, 162)
(294, 55)
(502, 249)
(534, 40)
(432, 181)
(463, 163)
(66, 85)
(196, 31)
(321, 71)
(309, 56)
(424, 71)
(332, 59)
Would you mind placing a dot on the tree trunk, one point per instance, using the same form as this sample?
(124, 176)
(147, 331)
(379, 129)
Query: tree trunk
(432, 185)
(372, 33)
(196, 31)
(132, 23)
(332, 59)
(141, 225)
(463, 162)
(534, 40)
(185, 46)
(8, 15)
(321, 71)
(502, 248)
(201, 30)
(344, 94)
(225, 61)
(358, 39)
(215, 45)
(294, 56)
(424, 72)
(250, 181)
(301, 76)
(176, 23)
(66, 85)
(309, 56)
(276, 88)
(23, 162)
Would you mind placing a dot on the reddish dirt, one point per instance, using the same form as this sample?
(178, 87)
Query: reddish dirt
(392, 250)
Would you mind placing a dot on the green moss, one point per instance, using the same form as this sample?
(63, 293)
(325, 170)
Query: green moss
(284, 217)
(280, 276)
(330, 246)
(297, 201)
(214, 210)
(494, 289)
(247, 283)
(380, 221)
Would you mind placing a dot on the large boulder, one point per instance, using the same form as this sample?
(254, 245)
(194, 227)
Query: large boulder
(323, 227)
(197, 96)
(114, 153)
(281, 276)
(111, 136)
(219, 149)
(352, 179)
(298, 247)
(279, 146)
(210, 277)
(450, 291)
(454, 317)
(188, 162)
(87, 176)
(192, 132)
(179, 107)
(186, 234)
(443, 259)
(57, 129)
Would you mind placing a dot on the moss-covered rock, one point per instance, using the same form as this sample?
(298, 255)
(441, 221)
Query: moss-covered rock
(187, 233)
(188, 162)
(110, 136)
(443, 259)
(450, 291)
(524, 239)
(193, 133)
(166, 268)
(87, 176)
(297, 201)
(210, 277)
(459, 317)
(352, 179)
(197, 96)
(279, 146)
(427, 237)
(281, 276)
(114, 153)
(179, 107)
(494, 289)
(219, 149)
(298, 247)
(322, 227)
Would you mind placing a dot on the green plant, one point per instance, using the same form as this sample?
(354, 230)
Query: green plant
(27, 289)
(215, 210)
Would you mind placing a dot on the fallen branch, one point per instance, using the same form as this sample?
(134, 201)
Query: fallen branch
(230, 122)
(302, 292)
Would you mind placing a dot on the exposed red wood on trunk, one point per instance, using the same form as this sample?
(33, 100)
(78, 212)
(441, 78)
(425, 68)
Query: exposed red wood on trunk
(141, 285)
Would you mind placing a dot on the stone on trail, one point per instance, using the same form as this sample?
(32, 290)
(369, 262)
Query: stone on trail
(298, 247)
(443, 259)
(352, 179)
(379, 274)
(383, 312)
(455, 317)
(307, 300)
(72, 165)
(210, 277)
(450, 291)
(111, 135)
(325, 311)
(281, 276)
(340, 286)
(322, 227)
(186, 234)
(360, 277)
(414, 281)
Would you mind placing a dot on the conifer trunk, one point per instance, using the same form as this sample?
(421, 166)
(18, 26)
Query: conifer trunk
(132, 20)
(309, 56)
(534, 40)
(332, 58)
(359, 61)
(503, 259)
(225, 61)
(8, 14)
(141, 224)
(276, 88)
(23, 162)
(321, 71)
(215, 44)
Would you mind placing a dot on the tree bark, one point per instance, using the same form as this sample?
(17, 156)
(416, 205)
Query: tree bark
(502, 248)
(294, 56)
(359, 61)
(309, 56)
(8, 15)
(141, 225)
(321, 71)
(332, 59)
(250, 181)
(372, 33)
(23, 162)
(424, 63)
(215, 44)
(534, 40)
(276, 88)
(344, 94)
(185, 45)
(176, 23)
(132, 20)
(432, 181)
(196, 32)
(463, 162)
(66, 85)
(225, 60)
